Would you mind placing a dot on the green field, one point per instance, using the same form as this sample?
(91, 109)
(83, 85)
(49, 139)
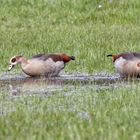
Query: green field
(82, 29)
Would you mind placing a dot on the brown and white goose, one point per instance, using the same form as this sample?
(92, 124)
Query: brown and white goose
(41, 64)
(127, 64)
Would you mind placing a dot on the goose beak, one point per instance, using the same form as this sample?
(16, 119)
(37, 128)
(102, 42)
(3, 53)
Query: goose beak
(10, 67)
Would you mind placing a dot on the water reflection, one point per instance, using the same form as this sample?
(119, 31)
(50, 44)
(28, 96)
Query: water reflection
(33, 86)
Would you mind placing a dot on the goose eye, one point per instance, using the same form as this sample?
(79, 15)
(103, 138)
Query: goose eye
(13, 60)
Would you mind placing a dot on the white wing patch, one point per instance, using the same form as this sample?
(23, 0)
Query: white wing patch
(119, 63)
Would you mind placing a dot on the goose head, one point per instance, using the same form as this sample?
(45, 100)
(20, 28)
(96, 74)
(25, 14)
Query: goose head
(15, 60)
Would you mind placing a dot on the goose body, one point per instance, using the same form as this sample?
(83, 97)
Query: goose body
(41, 64)
(127, 64)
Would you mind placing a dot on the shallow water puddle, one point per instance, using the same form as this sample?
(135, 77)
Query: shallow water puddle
(69, 84)
(17, 83)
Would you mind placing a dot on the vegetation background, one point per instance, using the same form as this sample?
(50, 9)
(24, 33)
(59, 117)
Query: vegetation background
(89, 32)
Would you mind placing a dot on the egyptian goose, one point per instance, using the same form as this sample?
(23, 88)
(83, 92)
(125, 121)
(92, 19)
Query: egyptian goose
(127, 64)
(41, 65)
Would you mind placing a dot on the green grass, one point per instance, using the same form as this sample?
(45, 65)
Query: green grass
(85, 114)
(79, 28)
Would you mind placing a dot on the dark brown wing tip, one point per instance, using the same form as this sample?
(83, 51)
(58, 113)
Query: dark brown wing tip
(110, 55)
(72, 58)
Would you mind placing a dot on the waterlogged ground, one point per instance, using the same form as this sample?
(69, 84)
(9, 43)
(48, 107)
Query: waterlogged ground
(17, 83)
(66, 107)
